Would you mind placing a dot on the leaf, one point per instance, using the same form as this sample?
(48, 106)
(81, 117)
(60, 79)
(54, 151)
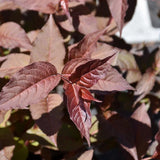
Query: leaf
(49, 46)
(7, 152)
(12, 35)
(146, 83)
(118, 11)
(29, 86)
(6, 5)
(113, 81)
(44, 6)
(142, 128)
(71, 66)
(4, 116)
(99, 75)
(79, 110)
(89, 73)
(86, 46)
(104, 50)
(14, 62)
(48, 114)
(127, 62)
(86, 95)
(87, 155)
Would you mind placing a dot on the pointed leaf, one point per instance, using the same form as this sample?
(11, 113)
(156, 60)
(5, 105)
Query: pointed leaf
(118, 11)
(113, 81)
(104, 50)
(79, 110)
(14, 63)
(29, 86)
(71, 66)
(45, 6)
(100, 72)
(86, 46)
(49, 46)
(12, 35)
(89, 73)
(86, 95)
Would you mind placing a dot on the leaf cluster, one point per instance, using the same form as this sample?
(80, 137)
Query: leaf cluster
(72, 89)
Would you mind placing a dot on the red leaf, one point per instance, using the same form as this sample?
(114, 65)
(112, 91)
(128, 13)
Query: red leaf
(45, 6)
(71, 66)
(86, 46)
(91, 72)
(12, 35)
(29, 86)
(118, 11)
(79, 110)
(49, 45)
(86, 95)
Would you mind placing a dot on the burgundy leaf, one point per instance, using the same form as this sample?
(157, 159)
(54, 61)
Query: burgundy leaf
(71, 66)
(86, 46)
(86, 95)
(12, 35)
(118, 11)
(89, 73)
(45, 6)
(49, 45)
(14, 63)
(79, 110)
(142, 128)
(29, 86)
(100, 72)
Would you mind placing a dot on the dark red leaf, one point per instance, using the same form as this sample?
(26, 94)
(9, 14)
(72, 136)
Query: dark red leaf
(79, 110)
(86, 46)
(29, 86)
(86, 95)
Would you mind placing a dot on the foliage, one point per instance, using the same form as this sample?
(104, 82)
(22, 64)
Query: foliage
(71, 89)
